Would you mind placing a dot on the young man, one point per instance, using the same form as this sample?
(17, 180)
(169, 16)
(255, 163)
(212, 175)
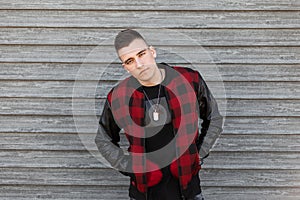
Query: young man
(158, 108)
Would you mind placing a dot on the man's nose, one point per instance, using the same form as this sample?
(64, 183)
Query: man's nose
(138, 63)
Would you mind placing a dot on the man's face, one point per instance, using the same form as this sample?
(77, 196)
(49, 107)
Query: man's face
(139, 60)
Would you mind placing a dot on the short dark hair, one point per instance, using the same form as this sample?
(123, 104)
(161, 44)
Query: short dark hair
(125, 37)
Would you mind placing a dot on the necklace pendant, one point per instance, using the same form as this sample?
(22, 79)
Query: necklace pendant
(155, 116)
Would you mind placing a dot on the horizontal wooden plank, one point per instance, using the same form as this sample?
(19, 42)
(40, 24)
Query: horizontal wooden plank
(110, 177)
(63, 177)
(252, 160)
(266, 108)
(63, 192)
(54, 89)
(236, 108)
(83, 159)
(44, 141)
(250, 178)
(262, 125)
(92, 89)
(261, 90)
(37, 124)
(114, 72)
(121, 193)
(171, 54)
(204, 37)
(153, 5)
(258, 142)
(73, 142)
(49, 159)
(88, 124)
(161, 19)
(276, 73)
(248, 193)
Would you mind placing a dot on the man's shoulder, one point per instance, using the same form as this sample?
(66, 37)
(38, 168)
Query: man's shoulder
(182, 69)
(187, 72)
(123, 85)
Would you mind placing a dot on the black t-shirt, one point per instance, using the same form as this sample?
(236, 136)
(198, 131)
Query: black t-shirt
(159, 140)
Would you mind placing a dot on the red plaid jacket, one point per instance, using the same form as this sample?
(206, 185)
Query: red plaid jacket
(126, 105)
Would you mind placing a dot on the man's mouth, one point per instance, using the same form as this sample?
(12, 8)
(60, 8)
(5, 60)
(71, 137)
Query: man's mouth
(144, 71)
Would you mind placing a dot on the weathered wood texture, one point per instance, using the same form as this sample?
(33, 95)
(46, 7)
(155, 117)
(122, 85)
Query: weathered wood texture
(117, 192)
(68, 71)
(150, 19)
(235, 108)
(204, 37)
(176, 54)
(64, 89)
(152, 5)
(65, 124)
(227, 142)
(49, 48)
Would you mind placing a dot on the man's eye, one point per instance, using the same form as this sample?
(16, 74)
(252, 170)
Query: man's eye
(128, 62)
(142, 53)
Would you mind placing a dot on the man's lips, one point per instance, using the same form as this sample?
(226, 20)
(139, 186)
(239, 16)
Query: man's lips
(144, 71)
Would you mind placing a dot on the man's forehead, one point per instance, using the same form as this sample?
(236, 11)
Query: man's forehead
(131, 52)
(133, 48)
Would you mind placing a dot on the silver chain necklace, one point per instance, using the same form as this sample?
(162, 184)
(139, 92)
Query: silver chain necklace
(155, 113)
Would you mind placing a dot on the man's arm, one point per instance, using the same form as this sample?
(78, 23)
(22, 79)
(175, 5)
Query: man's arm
(211, 126)
(107, 141)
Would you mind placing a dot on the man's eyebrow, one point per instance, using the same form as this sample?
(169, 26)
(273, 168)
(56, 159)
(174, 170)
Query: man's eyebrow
(136, 54)
(128, 59)
(141, 51)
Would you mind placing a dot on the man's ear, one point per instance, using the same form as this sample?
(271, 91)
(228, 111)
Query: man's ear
(125, 67)
(153, 51)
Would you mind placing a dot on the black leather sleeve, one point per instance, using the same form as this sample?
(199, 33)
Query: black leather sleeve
(211, 126)
(107, 141)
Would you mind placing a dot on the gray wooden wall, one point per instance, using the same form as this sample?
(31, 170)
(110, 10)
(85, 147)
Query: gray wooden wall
(255, 45)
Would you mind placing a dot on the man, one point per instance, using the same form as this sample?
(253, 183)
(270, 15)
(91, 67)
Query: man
(158, 108)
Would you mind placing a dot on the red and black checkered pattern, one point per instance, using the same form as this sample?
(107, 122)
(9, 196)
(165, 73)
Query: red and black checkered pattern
(127, 103)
